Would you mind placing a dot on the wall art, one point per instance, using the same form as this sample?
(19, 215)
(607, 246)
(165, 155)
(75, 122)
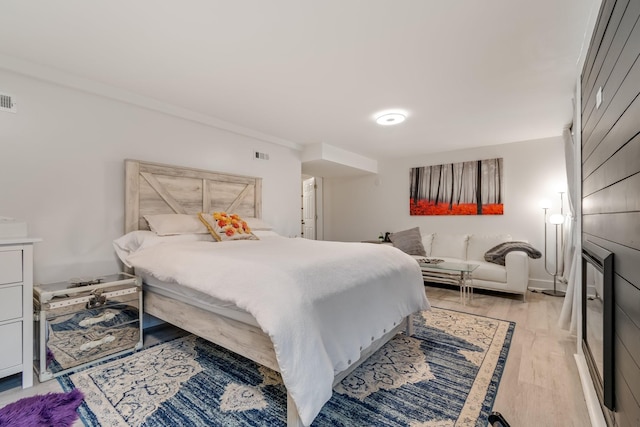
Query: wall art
(464, 188)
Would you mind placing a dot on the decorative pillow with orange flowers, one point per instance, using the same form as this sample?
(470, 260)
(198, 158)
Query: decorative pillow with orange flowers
(224, 226)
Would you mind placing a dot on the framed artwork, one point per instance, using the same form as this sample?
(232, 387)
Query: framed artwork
(465, 188)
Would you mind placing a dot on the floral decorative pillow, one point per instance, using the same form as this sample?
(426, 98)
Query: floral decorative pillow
(224, 226)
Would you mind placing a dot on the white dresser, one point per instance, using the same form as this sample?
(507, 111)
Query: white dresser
(16, 308)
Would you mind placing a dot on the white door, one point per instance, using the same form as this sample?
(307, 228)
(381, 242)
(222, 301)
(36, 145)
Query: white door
(309, 208)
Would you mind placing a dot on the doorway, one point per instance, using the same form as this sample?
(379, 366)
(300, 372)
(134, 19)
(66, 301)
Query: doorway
(311, 221)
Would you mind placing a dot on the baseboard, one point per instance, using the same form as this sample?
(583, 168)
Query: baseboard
(590, 396)
(539, 285)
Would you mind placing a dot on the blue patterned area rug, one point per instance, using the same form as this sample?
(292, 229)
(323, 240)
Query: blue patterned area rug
(447, 374)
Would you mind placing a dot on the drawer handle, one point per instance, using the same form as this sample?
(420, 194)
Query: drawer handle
(96, 343)
(93, 320)
(96, 299)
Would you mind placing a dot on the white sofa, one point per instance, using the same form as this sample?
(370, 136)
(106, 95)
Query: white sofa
(513, 277)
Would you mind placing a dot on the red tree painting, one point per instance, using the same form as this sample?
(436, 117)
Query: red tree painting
(465, 188)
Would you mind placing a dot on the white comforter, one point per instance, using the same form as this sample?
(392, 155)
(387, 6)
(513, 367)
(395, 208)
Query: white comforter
(320, 302)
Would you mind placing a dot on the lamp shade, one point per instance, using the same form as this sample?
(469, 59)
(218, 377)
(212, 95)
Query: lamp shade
(556, 219)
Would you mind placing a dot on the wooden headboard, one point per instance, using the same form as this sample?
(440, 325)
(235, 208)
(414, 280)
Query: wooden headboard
(152, 188)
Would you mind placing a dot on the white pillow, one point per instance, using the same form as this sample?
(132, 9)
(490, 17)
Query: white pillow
(257, 224)
(265, 233)
(449, 246)
(427, 240)
(171, 224)
(141, 239)
(479, 245)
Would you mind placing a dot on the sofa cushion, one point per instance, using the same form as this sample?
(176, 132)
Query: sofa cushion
(479, 245)
(408, 241)
(449, 246)
(489, 272)
(427, 239)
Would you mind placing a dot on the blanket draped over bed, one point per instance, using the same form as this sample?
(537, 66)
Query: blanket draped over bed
(320, 302)
(498, 253)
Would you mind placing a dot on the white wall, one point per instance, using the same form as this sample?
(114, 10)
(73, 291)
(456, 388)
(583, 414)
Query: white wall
(62, 170)
(359, 208)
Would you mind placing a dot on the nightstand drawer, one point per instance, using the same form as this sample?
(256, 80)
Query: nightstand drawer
(10, 302)
(10, 267)
(11, 339)
(80, 338)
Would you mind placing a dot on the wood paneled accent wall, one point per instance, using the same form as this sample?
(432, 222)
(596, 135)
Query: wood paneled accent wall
(611, 181)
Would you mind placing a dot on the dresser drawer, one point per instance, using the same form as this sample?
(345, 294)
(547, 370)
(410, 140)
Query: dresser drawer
(10, 302)
(10, 267)
(11, 339)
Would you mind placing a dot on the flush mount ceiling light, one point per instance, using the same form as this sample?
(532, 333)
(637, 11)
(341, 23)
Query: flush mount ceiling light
(388, 119)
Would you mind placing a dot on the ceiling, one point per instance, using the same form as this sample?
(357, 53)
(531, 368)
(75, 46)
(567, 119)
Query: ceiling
(468, 73)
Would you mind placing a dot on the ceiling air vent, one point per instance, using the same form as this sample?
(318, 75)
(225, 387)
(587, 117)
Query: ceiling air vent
(7, 104)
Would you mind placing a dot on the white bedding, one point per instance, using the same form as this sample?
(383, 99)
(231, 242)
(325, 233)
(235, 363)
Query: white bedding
(320, 302)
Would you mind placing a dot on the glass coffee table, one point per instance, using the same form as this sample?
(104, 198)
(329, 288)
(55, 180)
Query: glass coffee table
(455, 273)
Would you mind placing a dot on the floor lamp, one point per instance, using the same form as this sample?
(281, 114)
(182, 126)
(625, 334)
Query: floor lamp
(557, 220)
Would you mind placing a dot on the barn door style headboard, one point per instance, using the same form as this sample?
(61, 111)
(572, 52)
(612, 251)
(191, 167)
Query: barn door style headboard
(152, 188)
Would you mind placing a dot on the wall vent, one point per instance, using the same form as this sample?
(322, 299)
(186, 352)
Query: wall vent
(260, 156)
(7, 104)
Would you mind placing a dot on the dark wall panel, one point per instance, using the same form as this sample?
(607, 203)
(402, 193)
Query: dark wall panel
(609, 50)
(629, 305)
(611, 181)
(626, 364)
(613, 198)
(627, 332)
(625, 261)
(596, 40)
(623, 228)
(622, 131)
(622, 165)
(627, 342)
(616, 100)
(628, 412)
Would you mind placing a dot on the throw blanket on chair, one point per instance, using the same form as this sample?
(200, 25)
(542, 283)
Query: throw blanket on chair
(498, 253)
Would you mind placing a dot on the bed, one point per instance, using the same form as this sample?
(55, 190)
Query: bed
(237, 322)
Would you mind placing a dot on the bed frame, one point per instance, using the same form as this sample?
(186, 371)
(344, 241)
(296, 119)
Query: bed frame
(153, 188)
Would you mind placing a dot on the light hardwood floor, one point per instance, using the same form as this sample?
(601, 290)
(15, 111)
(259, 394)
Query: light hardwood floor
(540, 384)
